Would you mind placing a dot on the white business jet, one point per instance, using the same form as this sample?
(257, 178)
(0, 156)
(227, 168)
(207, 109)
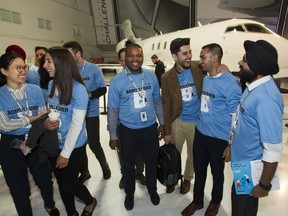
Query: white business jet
(230, 34)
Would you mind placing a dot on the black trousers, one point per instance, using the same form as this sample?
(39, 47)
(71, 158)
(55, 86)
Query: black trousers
(243, 205)
(92, 127)
(67, 179)
(139, 163)
(14, 165)
(146, 140)
(208, 150)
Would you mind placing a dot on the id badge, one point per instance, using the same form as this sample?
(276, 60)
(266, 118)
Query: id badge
(143, 116)
(20, 115)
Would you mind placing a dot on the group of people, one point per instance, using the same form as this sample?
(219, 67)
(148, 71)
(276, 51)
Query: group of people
(200, 103)
(71, 88)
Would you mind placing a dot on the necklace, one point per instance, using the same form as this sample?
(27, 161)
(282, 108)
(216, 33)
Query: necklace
(21, 92)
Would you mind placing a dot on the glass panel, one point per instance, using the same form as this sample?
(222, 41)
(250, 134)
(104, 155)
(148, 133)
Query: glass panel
(5, 15)
(41, 23)
(16, 17)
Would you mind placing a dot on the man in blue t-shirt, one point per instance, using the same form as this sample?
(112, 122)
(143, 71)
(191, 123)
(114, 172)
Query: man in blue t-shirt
(219, 99)
(33, 77)
(134, 102)
(257, 128)
(96, 86)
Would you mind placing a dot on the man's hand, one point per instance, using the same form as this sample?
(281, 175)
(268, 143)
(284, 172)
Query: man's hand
(226, 154)
(222, 68)
(160, 132)
(258, 192)
(113, 144)
(62, 162)
(167, 138)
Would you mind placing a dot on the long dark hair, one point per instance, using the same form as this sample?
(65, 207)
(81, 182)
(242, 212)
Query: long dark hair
(65, 72)
(44, 76)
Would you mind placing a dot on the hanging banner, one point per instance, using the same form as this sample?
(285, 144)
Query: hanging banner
(104, 22)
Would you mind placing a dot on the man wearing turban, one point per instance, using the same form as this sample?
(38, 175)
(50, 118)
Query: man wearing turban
(257, 128)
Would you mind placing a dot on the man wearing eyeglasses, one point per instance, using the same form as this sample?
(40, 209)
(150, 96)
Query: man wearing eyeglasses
(33, 76)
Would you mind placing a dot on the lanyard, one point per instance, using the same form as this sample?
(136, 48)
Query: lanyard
(24, 111)
(56, 104)
(140, 93)
(234, 123)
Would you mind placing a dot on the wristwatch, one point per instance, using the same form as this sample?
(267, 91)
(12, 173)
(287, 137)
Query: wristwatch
(265, 187)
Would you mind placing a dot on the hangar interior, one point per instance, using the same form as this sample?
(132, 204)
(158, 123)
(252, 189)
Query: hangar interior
(81, 20)
(96, 24)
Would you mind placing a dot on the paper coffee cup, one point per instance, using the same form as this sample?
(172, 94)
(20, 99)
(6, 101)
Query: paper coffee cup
(54, 116)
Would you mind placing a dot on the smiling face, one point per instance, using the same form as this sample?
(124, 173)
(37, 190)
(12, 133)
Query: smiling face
(16, 73)
(206, 60)
(245, 72)
(49, 65)
(183, 58)
(134, 59)
(38, 55)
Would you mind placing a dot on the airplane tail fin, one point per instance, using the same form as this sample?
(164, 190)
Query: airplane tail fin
(126, 28)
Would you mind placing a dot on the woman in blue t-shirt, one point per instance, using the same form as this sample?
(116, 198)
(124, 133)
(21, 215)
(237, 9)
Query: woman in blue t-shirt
(20, 105)
(68, 96)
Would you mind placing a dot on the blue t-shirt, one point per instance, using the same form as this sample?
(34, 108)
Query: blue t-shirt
(135, 104)
(190, 100)
(79, 101)
(93, 79)
(260, 121)
(219, 99)
(33, 76)
(13, 111)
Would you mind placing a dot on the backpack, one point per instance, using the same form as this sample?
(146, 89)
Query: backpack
(168, 165)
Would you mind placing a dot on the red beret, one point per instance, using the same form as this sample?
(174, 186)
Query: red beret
(17, 49)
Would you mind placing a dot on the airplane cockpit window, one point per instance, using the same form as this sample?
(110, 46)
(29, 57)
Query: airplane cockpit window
(256, 28)
(238, 28)
(249, 27)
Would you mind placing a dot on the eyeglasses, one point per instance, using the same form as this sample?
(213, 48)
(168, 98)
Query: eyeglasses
(21, 68)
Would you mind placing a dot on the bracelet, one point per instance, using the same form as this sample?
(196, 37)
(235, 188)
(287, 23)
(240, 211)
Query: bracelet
(265, 187)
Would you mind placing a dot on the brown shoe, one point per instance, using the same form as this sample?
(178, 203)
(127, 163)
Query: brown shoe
(185, 187)
(191, 209)
(212, 209)
(170, 188)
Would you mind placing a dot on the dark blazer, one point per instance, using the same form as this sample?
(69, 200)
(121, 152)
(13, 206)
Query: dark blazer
(171, 93)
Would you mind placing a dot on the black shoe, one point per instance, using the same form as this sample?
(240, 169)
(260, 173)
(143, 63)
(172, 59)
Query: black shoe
(142, 179)
(129, 202)
(121, 183)
(106, 172)
(86, 213)
(84, 177)
(53, 212)
(155, 199)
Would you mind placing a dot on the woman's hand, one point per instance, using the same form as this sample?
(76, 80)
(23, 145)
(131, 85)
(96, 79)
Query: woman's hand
(62, 162)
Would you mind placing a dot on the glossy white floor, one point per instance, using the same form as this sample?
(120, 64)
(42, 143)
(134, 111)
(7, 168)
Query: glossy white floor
(110, 197)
